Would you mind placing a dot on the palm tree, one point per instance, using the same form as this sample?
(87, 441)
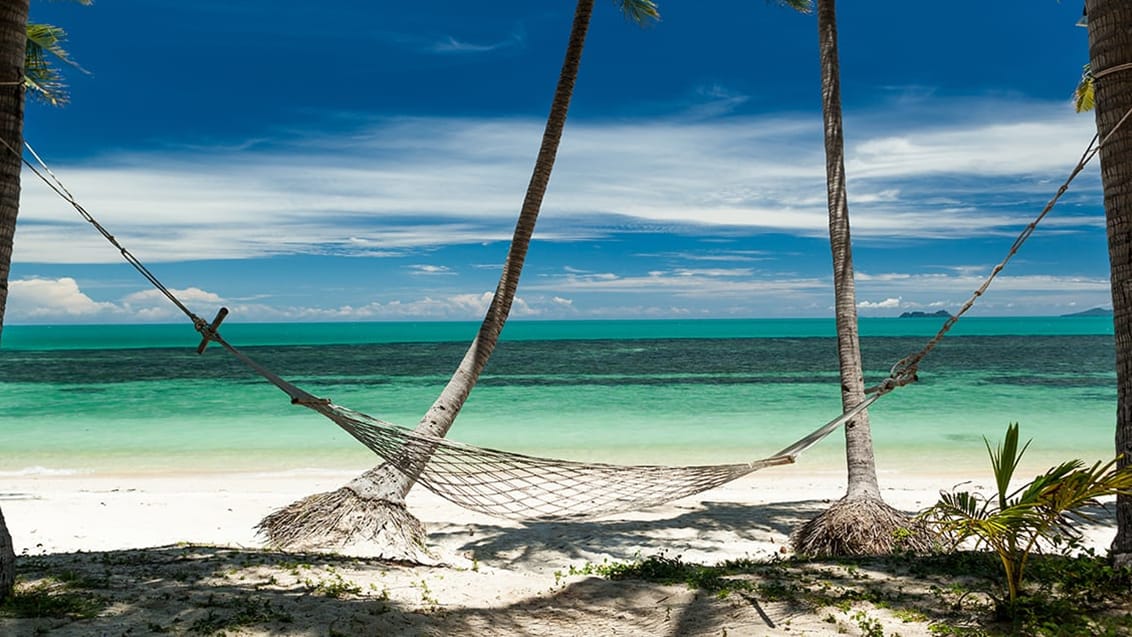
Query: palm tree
(23, 63)
(13, 39)
(1110, 49)
(369, 513)
(861, 522)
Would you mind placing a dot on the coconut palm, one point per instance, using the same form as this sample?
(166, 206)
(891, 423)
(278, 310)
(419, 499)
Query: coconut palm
(368, 515)
(25, 61)
(859, 523)
(1110, 46)
(13, 38)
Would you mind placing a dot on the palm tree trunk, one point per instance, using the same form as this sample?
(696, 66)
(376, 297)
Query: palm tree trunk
(439, 418)
(858, 439)
(387, 529)
(13, 34)
(13, 25)
(1110, 45)
(860, 523)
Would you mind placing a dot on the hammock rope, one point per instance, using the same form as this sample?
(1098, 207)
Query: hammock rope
(518, 486)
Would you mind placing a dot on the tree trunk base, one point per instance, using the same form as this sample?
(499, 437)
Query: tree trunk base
(861, 526)
(7, 561)
(345, 523)
(1122, 560)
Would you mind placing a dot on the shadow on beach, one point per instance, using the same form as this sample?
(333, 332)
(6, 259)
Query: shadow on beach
(206, 590)
(511, 588)
(700, 530)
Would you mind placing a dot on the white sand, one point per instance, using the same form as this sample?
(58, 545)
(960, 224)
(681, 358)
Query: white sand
(508, 575)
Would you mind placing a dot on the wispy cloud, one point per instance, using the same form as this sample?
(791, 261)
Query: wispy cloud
(430, 269)
(450, 45)
(703, 193)
(62, 301)
(409, 183)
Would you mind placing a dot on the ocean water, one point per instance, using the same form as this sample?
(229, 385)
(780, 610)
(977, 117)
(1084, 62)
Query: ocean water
(138, 399)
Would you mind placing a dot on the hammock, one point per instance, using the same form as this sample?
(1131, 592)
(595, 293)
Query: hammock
(517, 486)
(513, 485)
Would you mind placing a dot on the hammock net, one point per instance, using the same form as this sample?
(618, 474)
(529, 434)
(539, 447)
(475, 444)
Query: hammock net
(512, 485)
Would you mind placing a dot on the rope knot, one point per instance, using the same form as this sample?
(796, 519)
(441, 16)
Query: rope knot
(902, 373)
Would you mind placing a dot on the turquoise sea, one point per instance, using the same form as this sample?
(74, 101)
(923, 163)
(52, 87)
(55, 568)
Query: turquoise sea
(137, 398)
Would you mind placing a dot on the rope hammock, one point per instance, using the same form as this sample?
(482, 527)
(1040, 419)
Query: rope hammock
(513, 485)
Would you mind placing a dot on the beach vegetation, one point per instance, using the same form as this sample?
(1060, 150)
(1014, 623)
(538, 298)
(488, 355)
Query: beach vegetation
(228, 613)
(953, 593)
(54, 597)
(1015, 523)
(333, 585)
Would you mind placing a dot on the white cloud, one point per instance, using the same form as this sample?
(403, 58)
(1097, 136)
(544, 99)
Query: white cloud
(713, 272)
(53, 299)
(451, 45)
(61, 300)
(407, 183)
(430, 269)
(889, 303)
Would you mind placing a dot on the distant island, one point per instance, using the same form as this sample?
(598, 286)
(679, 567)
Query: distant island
(939, 314)
(1096, 311)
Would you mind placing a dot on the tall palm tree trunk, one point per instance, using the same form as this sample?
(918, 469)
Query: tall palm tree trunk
(859, 523)
(1110, 45)
(13, 34)
(368, 515)
(858, 439)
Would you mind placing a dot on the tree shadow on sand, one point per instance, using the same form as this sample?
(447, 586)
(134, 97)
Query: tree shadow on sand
(696, 529)
(206, 590)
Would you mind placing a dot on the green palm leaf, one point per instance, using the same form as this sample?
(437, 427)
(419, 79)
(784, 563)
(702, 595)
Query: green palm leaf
(1084, 97)
(41, 73)
(639, 11)
(44, 49)
(801, 6)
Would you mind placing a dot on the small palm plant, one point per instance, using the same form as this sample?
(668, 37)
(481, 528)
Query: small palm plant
(1014, 524)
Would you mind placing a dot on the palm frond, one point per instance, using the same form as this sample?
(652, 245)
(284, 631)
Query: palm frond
(41, 75)
(1004, 461)
(801, 6)
(1084, 97)
(639, 11)
(48, 38)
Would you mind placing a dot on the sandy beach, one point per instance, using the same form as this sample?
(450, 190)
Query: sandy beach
(169, 546)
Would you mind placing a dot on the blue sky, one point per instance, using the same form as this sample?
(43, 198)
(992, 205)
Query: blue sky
(350, 160)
